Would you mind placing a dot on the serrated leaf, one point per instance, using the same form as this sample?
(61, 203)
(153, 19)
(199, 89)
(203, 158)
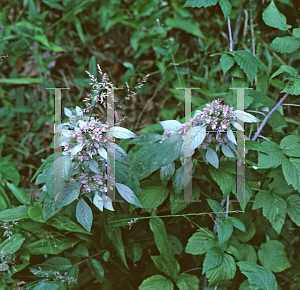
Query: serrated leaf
(285, 68)
(213, 258)
(187, 282)
(178, 180)
(224, 229)
(98, 202)
(201, 241)
(223, 178)
(156, 282)
(227, 151)
(273, 257)
(290, 145)
(247, 62)
(224, 272)
(293, 208)
(274, 208)
(216, 207)
(287, 44)
(237, 223)
(70, 192)
(259, 277)
(84, 214)
(291, 172)
(200, 3)
(153, 195)
(128, 194)
(272, 17)
(227, 62)
(292, 87)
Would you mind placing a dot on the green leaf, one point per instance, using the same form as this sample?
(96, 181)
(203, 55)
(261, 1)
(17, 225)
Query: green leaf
(115, 235)
(11, 245)
(224, 229)
(96, 269)
(51, 267)
(227, 62)
(292, 87)
(48, 285)
(291, 172)
(290, 145)
(250, 232)
(161, 265)
(158, 228)
(213, 258)
(287, 44)
(134, 251)
(201, 241)
(153, 194)
(200, 3)
(273, 257)
(274, 156)
(92, 65)
(247, 62)
(70, 192)
(36, 212)
(178, 180)
(293, 208)
(237, 223)
(272, 17)
(12, 214)
(64, 223)
(226, 7)
(156, 282)
(4, 200)
(187, 282)
(216, 207)
(21, 81)
(84, 214)
(224, 272)
(274, 208)
(166, 172)
(285, 68)
(259, 277)
(19, 194)
(223, 177)
(186, 25)
(212, 157)
(50, 246)
(128, 194)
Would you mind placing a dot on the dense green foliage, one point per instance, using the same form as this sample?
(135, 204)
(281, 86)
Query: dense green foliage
(150, 240)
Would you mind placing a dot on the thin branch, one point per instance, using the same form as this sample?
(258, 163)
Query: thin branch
(268, 116)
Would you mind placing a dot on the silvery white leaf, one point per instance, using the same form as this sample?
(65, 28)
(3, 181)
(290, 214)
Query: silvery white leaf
(197, 113)
(76, 149)
(237, 126)
(246, 117)
(98, 201)
(79, 111)
(93, 165)
(171, 125)
(107, 202)
(81, 123)
(231, 136)
(102, 152)
(128, 194)
(68, 112)
(227, 150)
(120, 132)
(212, 157)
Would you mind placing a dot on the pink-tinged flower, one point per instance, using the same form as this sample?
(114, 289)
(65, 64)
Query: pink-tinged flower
(96, 145)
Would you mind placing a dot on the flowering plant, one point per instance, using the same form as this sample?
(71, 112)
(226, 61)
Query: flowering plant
(84, 162)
